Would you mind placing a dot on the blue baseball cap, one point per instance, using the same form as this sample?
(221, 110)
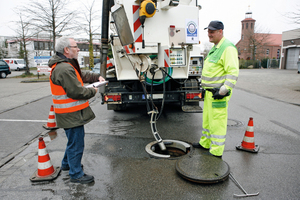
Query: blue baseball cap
(215, 25)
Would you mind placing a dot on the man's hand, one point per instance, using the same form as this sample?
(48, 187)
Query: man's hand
(217, 95)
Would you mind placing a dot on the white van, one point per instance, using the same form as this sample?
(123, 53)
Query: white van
(16, 64)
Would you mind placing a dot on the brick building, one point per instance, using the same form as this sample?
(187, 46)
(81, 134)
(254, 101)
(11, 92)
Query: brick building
(253, 46)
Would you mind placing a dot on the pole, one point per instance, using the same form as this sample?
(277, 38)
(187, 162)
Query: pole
(104, 37)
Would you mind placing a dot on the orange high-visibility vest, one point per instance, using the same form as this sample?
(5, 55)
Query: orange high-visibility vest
(62, 103)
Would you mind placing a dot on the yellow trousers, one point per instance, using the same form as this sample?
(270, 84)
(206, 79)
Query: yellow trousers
(214, 124)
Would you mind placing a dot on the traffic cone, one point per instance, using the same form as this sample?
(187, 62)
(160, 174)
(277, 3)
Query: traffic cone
(248, 141)
(108, 63)
(51, 124)
(45, 171)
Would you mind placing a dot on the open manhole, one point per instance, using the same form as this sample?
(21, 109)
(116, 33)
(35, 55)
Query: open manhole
(174, 149)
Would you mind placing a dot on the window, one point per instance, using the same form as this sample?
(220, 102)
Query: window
(251, 25)
(46, 45)
(2, 63)
(41, 46)
(242, 26)
(267, 52)
(36, 45)
(246, 25)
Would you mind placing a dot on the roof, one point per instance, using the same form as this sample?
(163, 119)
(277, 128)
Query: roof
(272, 39)
(248, 19)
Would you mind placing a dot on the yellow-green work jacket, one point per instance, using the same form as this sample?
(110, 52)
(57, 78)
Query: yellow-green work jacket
(221, 66)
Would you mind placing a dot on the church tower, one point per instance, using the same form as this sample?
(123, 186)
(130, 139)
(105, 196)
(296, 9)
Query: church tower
(248, 24)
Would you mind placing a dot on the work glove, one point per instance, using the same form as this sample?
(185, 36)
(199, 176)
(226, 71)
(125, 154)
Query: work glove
(217, 95)
(203, 93)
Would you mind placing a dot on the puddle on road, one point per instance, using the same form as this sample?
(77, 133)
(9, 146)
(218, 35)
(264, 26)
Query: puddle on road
(52, 134)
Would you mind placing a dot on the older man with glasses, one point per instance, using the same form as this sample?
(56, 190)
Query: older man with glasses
(71, 105)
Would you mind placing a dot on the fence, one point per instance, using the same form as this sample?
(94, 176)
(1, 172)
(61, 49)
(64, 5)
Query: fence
(264, 63)
(273, 63)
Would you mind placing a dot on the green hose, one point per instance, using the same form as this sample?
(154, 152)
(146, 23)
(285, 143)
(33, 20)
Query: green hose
(149, 81)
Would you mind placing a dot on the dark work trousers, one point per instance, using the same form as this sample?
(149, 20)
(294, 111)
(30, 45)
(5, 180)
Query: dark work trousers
(74, 151)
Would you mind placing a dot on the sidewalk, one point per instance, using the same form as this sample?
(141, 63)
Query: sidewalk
(282, 85)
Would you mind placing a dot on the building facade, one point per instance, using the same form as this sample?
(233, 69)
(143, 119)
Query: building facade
(290, 49)
(253, 46)
(41, 49)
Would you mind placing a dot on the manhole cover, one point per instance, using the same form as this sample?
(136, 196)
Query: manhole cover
(234, 123)
(174, 148)
(202, 168)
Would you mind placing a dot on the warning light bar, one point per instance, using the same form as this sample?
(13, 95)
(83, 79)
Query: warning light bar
(112, 98)
(193, 96)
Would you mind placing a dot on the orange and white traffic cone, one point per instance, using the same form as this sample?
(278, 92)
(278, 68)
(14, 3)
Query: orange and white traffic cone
(45, 171)
(248, 143)
(108, 63)
(51, 124)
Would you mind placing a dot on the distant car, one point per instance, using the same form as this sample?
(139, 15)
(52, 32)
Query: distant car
(4, 69)
(16, 63)
(96, 68)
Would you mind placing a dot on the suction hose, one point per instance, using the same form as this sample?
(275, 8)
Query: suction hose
(154, 130)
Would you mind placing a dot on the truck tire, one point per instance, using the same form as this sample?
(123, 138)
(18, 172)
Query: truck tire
(3, 75)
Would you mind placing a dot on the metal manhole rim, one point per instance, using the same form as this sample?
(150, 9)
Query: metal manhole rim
(184, 146)
(237, 123)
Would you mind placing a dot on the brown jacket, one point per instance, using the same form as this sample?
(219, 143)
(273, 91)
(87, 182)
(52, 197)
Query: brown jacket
(65, 76)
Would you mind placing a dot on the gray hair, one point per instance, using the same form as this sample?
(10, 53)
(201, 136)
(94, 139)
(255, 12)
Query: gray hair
(61, 43)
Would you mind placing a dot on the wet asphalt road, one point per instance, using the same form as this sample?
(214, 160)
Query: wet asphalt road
(115, 151)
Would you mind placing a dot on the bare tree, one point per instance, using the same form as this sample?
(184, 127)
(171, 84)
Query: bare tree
(294, 17)
(3, 49)
(23, 35)
(207, 46)
(254, 43)
(51, 16)
(90, 15)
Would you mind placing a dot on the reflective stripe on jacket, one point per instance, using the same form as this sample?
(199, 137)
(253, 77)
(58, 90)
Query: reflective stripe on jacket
(221, 66)
(62, 103)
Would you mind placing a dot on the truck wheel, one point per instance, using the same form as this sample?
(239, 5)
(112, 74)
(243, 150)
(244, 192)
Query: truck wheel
(18, 69)
(3, 75)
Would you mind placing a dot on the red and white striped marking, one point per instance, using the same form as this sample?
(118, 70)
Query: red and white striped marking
(138, 32)
(129, 50)
(108, 63)
(167, 58)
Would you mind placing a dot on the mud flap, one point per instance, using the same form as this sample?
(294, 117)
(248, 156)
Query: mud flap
(192, 108)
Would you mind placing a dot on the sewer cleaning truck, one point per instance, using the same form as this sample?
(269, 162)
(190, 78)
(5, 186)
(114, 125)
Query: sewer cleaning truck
(151, 43)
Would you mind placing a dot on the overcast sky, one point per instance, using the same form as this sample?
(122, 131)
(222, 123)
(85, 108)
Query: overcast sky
(269, 15)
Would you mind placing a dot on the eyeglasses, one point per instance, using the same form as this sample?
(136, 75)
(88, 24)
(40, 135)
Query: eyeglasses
(73, 46)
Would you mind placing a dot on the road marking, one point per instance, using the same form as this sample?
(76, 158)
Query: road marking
(21, 120)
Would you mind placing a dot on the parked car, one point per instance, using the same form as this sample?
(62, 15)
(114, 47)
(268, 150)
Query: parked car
(96, 68)
(4, 69)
